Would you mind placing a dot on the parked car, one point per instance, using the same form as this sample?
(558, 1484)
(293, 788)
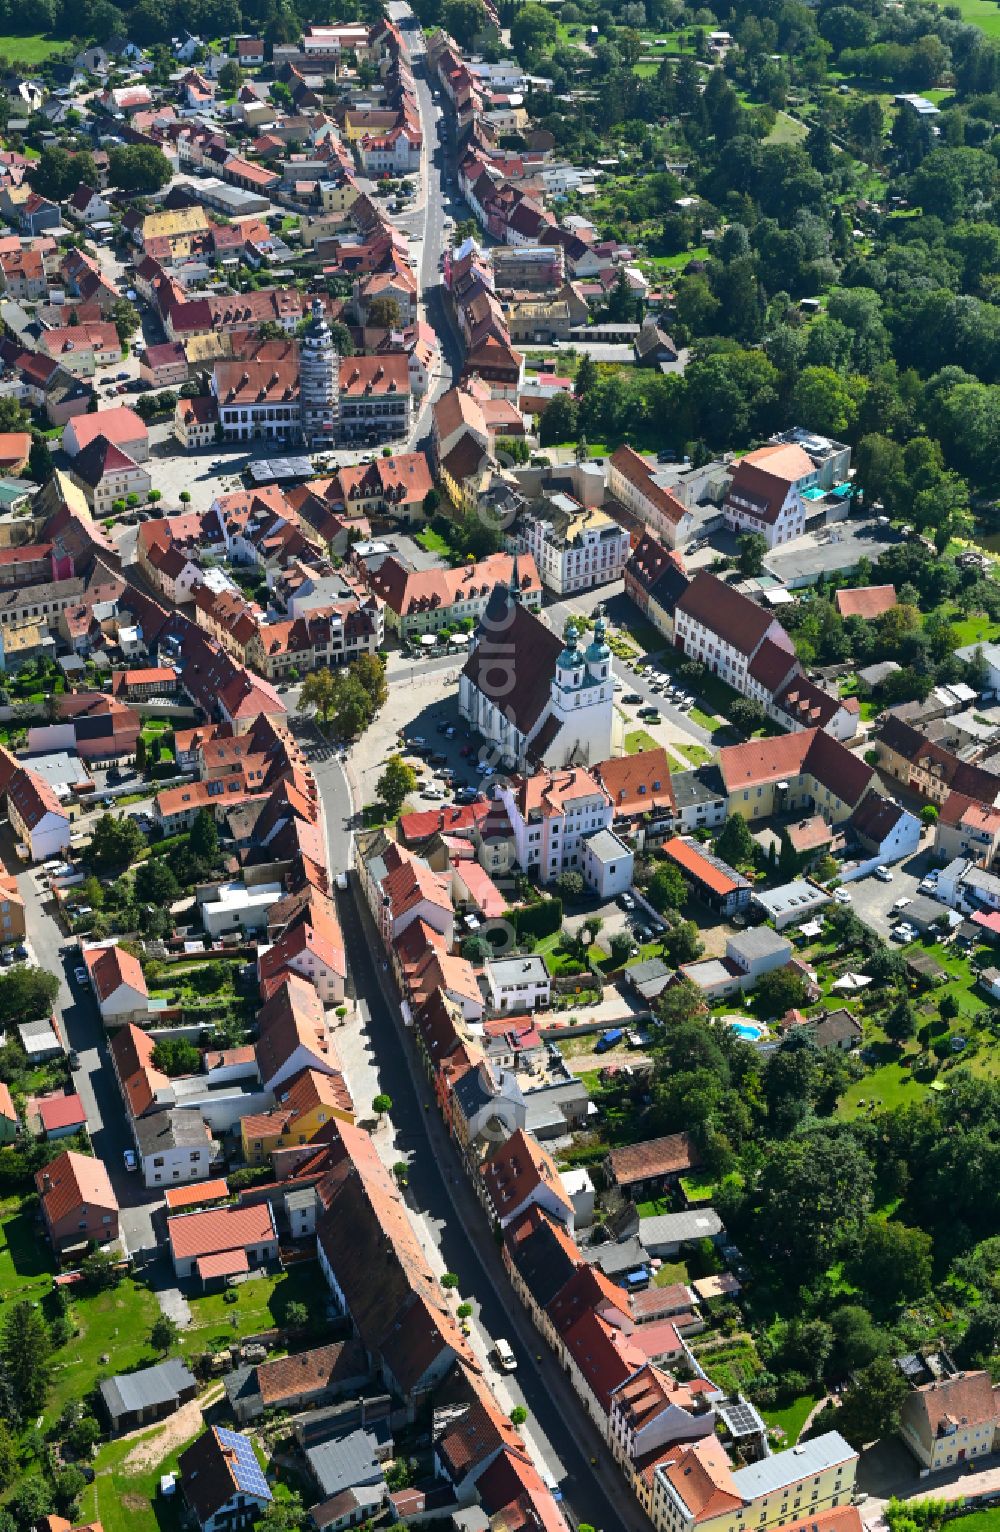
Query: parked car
(131, 1159)
(884, 874)
(432, 792)
(81, 976)
(841, 896)
(73, 1058)
(626, 902)
(632, 697)
(506, 1360)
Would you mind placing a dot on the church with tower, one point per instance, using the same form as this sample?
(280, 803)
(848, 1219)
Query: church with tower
(538, 699)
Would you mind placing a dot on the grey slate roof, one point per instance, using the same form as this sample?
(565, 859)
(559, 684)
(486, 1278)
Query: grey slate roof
(345, 1462)
(176, 1128)
(158, 1385)
(679, 1228)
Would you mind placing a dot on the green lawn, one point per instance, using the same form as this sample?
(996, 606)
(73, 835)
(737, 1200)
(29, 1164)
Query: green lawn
(638, 739)
(698, 755)
(786, 130)
(25, 1265)
(790, 1418)
(732, 1364)
(976, 629)
(129, 1500)
(260, 1304)
(115, 1324)
(671, 1272)
(706, 721)
(890, 1085)
(699, 1187)
(557, 960)
(433, 542)
(982, 1521)
(674, 262)
(981, 13)
(34, 48)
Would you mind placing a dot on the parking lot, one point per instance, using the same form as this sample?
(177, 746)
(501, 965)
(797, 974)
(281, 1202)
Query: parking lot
(872, 900)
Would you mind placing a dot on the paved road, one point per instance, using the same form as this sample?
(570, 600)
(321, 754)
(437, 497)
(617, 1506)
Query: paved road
(424, 224)
(94, 1080)
(577, 1459)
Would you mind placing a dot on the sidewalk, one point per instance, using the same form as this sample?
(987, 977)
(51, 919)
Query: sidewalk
(900, 1479)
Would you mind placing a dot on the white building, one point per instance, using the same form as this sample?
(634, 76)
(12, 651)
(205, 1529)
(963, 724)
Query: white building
(534, 698)
(36, 816)
(518, 984)
(174, 1147)
(574, 547)
(552, 814)
(728, 633)
(644, 491)
(652, 1409)
(608, 864)
(118, 984)
(766, 493)
(228, 906)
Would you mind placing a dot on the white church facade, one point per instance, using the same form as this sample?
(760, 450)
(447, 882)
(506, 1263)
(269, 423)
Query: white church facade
(538, 700)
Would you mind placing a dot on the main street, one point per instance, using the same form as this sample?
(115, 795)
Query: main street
(424, 224)
(574, 1457)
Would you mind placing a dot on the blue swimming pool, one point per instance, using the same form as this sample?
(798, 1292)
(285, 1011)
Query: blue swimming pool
(749, 1031)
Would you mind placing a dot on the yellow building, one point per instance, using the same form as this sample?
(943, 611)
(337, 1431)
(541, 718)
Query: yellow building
(176, 224)
(951, 1420)
(310, 1101)
(698, 1489)
(806, 771)
(338, 195)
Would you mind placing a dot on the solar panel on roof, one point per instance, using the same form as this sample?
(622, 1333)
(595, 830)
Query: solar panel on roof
(247, 1472)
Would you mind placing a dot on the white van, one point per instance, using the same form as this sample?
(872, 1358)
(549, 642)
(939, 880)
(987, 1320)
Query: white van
(506, 1359)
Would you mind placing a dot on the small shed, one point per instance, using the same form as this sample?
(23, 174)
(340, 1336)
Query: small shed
(136, 1398)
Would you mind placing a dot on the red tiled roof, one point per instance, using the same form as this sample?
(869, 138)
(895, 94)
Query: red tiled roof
(61, 1112)
(111, 967)
(189, 1196)
(868, 601)
(673, 1155)
(717, 606)
(790, 755)
(216, 1230)
(228, 1263)
(72, 1181)
(694, 862)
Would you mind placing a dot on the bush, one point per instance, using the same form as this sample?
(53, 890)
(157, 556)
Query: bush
(537, 920)
(570, 885)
